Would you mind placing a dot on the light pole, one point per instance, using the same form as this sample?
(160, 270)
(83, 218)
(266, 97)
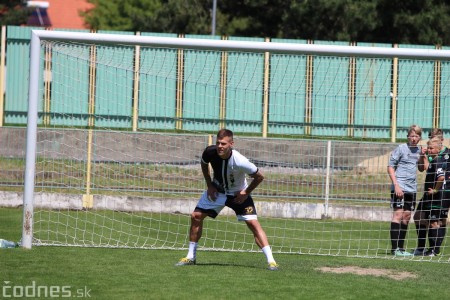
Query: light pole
(213, 25)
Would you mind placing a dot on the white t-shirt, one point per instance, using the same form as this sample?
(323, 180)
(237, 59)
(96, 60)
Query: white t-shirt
(230, 174)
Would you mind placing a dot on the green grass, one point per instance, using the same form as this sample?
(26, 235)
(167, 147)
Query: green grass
(150, 274)
(163, 230)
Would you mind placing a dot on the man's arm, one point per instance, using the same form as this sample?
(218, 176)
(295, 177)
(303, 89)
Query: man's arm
(258, 177)
(423, 162)
(397, 190)
(206, 174)
(391, 173)
(437, 186)
(212, 190)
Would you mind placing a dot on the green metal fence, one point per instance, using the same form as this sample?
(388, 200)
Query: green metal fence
(365, 102)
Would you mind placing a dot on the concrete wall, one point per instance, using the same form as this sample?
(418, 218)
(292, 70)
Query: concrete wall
(184, 149)
(185, 206)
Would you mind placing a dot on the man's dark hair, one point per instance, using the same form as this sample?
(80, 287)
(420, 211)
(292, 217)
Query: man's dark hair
(224, 133)
(436, 132)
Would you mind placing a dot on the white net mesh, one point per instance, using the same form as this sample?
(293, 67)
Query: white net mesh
(122, 129)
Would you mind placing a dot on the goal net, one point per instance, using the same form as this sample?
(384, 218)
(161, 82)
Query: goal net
(117, 125)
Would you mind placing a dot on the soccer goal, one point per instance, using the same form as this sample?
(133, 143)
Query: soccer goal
(117, 125)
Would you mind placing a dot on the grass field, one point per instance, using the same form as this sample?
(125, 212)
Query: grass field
(105, 273)
(121, 229)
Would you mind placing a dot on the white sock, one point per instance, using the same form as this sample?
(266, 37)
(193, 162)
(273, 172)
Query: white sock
(192, 254)
(268, 252)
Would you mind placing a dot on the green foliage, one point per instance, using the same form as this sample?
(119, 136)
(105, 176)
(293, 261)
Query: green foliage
(13, 13)
(170, 16)
(343, 20)
(413, 22)
(383, 21)
(253, 18)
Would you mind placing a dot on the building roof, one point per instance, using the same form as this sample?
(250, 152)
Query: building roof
(62, 14)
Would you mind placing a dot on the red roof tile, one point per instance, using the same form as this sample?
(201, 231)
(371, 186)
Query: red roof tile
(66, 13)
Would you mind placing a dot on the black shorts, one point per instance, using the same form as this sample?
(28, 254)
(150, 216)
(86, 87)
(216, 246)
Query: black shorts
(407, 203)
(446, 199)
(245, 208)
(435, 208)
(433, 214)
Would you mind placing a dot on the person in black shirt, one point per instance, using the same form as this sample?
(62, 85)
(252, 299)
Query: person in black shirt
(432, 210)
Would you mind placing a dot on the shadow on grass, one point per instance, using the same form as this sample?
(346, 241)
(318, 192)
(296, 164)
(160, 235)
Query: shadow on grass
(217, 264)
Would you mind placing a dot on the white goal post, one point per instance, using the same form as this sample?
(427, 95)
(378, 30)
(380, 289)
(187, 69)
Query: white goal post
(314, 166)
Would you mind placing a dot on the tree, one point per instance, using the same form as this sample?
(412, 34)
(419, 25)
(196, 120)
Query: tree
(13, 13)
(338, 20)
(413, 22)
(170, 16)
(383, 21)
(253, 18)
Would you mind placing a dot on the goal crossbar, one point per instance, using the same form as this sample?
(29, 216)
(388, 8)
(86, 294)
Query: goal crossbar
(230, 45)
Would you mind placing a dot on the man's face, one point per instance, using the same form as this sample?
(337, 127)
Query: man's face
(413, 139)
(224, 146)
(433, 149)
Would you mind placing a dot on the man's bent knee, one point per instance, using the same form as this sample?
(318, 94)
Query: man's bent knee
(197, 216)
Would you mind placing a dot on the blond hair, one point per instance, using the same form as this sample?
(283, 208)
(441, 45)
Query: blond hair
(415, 129)
(436, 140)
